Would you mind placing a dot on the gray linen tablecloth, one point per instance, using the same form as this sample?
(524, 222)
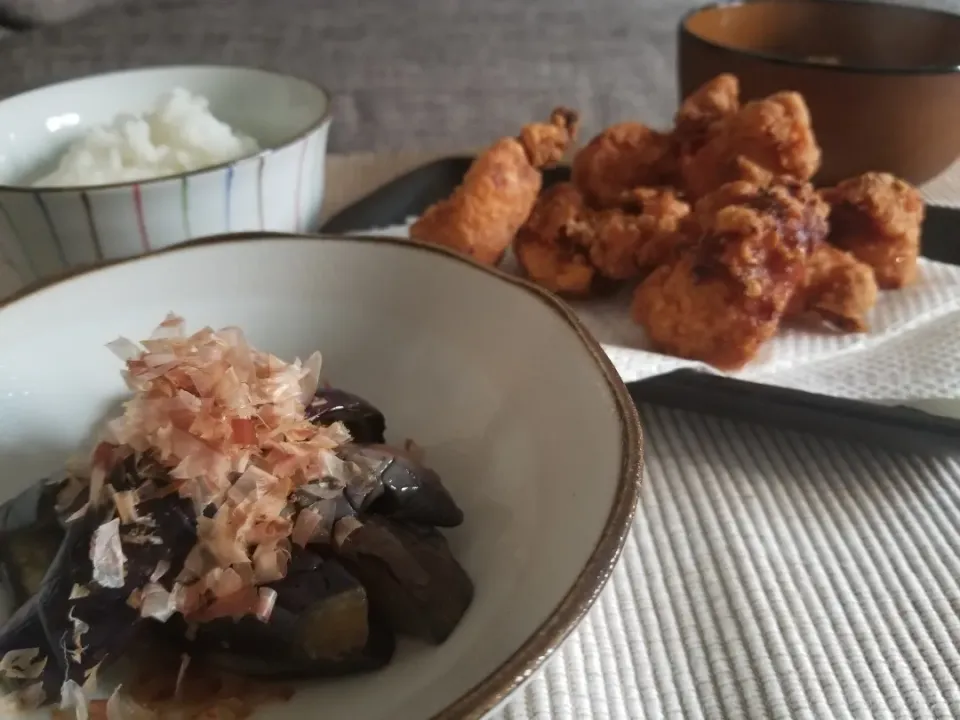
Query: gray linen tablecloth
(409, 74)
(768, 575)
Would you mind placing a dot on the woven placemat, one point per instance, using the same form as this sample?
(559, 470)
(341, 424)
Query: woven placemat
(771, 575)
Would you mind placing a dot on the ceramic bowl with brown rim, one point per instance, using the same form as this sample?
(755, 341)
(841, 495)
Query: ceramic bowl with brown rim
(514, 404)
(882, 81)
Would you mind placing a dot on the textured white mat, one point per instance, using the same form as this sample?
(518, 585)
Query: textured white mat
(771, 575)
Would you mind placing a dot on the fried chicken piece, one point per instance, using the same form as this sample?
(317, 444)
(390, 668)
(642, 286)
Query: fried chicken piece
(547, 143)
(567, 247)
(713, 101)
(622, 157)
(722, 298)
(482, 216)
(646, 231)
(749, 171)
(547, 251)
(774, 134)
(630, 241)
(878, 218)
(838, 288)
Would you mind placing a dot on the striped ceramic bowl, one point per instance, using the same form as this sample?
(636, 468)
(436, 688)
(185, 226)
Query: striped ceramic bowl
(44, 231)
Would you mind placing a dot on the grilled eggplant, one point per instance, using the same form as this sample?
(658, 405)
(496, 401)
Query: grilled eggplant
(406, 488)
(30, 535)
(321, 625)
(80, 617)
(371, 565)
(365, 423)
(409, 573)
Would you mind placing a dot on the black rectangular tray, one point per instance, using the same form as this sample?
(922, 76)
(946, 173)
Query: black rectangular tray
(897, 427)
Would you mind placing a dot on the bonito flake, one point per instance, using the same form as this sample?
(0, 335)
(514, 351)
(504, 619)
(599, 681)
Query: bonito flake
(228, 424)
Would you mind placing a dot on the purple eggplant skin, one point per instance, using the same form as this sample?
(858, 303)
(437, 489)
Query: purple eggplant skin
(24, 631)
(111, 622)
(25, 556)
(412, 492)
(46, 620)
(51, 618)
(411, 576)
(30, 535)
(365, 423)
(34, 506)
(321, 626)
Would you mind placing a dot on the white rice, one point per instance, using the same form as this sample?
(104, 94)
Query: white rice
(179, 135)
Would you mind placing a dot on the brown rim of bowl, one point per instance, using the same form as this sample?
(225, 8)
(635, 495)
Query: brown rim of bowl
(283, 144)
(801, 62)
(517, 669)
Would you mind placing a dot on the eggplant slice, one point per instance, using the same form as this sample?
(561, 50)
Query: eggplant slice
(411, 576)
(30, 535)
(321, 626)
(30, 538)
(77, 622)
(55, 619)
(375, 566)
(365, 423)
(410, 492)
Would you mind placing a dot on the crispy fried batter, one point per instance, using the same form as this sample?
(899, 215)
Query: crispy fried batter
(661, 225)
(547, 143)
(497, 194)
(622, 157)
(564, 238)
(878, 218)
(725, 296)
(713, 101)
(838, 288)
(773, 133)
(645, 232)
(545, 248)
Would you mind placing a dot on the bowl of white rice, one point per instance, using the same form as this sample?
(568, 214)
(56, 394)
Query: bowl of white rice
(121, 164)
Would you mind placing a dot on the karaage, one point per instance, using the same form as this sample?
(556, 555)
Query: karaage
(837, 288)
(645, 231)
(482, 216)
(699, 112)
(547, 248)
(774, 134)
(723, 297)
(623, 157)
(566, 246)
(878, 217)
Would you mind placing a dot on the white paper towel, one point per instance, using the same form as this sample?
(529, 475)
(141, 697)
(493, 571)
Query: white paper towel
(912, 351)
